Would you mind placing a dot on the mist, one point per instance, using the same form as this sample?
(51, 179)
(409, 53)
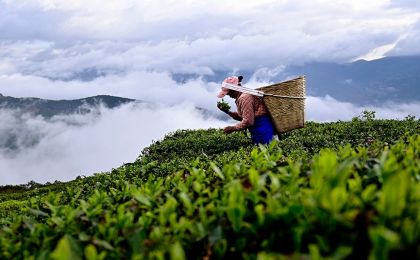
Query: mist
(328, 109)
(81, 145)
(74, 145)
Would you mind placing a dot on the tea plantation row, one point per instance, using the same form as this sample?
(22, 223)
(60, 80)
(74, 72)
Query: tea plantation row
(332, 190)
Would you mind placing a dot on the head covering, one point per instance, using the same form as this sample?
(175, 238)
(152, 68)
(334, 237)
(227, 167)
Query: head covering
(229, 80)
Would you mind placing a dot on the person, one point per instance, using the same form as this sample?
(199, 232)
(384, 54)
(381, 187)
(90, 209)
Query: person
(251, 112)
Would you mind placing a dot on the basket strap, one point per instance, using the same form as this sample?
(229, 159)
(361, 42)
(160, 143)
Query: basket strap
(254, 91)
(274, 95)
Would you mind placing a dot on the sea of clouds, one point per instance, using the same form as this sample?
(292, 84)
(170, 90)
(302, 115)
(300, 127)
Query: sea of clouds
(74, 145)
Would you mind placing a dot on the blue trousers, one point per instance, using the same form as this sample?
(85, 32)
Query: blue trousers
(262, 132)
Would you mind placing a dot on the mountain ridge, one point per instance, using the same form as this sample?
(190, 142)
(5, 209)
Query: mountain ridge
(17, 134)
(364, 82)
(49, 108)
(390, 79)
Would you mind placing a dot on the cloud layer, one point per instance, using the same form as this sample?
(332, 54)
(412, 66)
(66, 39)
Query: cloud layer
(95, 144)
(61, 39)
(74, 145)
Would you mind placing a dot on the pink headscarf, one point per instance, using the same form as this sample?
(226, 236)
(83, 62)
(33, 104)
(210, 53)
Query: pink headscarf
(231, 80)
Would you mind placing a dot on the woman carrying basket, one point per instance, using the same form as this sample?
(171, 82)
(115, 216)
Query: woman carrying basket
(251, 112)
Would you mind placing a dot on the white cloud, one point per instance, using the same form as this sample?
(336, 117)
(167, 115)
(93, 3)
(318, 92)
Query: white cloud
(328, 109)
(146, 86)
(409, 44)
(378, 52)
(58, 38)
(98, 144)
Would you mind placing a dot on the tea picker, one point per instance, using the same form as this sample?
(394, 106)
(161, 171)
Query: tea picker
(266, 111)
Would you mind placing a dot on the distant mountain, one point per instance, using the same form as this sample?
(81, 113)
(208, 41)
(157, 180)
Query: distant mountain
(391, 79)
(395, 79)
(49, 108)
(17, 133)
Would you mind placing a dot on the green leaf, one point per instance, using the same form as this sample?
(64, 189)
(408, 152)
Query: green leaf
(90, 252)
(314, 252)
(177, 252)
(254, 177)
(217, 171)
(186, 200)
(66, 249)
(37, 212)
(236, 209)
(143, 199)
(369, 193)
(383, 241)
(259, 210)
(393, 198)
(103, 243)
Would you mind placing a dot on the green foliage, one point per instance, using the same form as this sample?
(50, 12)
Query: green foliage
(224, 106)
(333, 190)
(187, 145)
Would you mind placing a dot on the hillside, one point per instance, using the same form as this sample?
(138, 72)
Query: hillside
(339, 190)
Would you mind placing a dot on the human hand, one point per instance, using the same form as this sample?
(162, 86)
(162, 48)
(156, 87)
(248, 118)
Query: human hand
(223, 109)
(222, 105)
(229, 129)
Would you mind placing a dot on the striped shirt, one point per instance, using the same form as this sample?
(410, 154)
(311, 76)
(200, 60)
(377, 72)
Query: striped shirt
(249, 107)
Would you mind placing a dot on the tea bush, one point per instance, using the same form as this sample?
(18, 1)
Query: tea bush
(331, 190)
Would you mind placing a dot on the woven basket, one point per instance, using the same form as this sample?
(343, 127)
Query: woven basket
(285, 102)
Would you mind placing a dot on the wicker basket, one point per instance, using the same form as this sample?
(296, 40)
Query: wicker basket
(285, 102)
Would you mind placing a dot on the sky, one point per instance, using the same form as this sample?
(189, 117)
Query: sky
(60, 39)
(46, 45)
(131, 48)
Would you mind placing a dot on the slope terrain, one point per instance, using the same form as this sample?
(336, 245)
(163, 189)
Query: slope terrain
(330, 190)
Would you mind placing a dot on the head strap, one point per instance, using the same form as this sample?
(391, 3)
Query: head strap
(243, 89)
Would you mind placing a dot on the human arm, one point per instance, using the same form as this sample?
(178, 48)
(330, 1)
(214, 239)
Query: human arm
(234, 115)
(246, 106)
